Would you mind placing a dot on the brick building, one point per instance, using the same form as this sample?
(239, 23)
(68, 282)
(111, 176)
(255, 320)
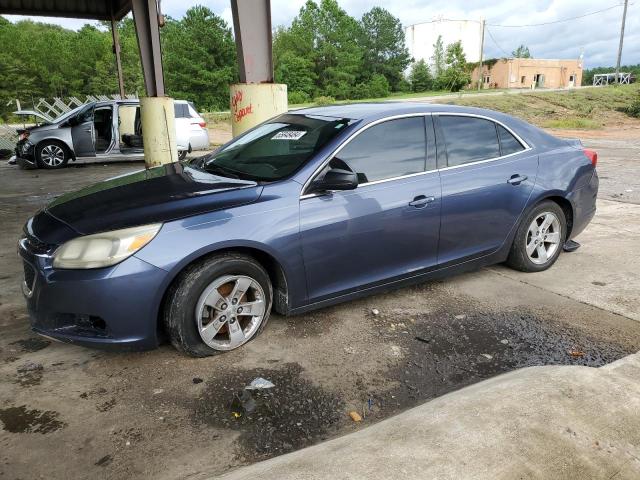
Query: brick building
(526, 72)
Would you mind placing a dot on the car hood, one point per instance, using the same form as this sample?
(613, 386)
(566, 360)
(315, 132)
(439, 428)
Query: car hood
(159, 194)
(39, 128)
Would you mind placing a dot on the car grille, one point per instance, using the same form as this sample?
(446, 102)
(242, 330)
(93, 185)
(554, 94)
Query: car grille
(29, 277)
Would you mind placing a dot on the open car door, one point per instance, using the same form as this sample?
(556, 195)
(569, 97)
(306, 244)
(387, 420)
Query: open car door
(83, 132)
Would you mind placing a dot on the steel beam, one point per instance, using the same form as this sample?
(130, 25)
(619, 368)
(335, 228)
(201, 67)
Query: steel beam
(116, 51)
(252, 27)
(145, 17)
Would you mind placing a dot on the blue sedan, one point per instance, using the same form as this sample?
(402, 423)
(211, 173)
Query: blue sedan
(314, 207)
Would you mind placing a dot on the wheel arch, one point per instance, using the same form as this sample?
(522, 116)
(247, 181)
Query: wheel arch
(274, 269)
(57, 140)
(566, 207)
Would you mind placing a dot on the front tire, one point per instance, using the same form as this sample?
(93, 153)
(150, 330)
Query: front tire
(539, 239)
(218, 305)
(52, 155)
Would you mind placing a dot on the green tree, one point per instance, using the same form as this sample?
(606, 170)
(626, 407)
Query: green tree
(199, 58)
(323, 36)
(383, 44)
(521, 52)
(456, 74)
(293, 66)
(130, 58)
(420, 77)
(587, 75)
(379, 86)
(438, 58)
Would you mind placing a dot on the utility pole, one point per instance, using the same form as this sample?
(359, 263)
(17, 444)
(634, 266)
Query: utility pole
(480, 76)
(624, 17)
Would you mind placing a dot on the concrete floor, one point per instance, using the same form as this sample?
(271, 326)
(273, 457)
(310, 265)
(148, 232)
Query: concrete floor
(536, 423)
(77, 413)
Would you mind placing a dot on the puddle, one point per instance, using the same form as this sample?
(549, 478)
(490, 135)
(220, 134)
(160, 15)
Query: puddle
(293, 414)
(23, 420)
(444, 352)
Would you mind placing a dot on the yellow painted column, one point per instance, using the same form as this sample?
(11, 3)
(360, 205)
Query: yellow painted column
(253, 103)
(158, 131)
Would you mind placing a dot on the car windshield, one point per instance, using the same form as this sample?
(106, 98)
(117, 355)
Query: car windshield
(275, 149)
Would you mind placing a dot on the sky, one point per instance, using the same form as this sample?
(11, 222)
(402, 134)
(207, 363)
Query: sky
(596, 36)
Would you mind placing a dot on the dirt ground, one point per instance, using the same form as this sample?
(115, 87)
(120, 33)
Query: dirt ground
(72, 412)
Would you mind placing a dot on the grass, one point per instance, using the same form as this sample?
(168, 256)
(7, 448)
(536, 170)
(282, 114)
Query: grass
(573, 123)
(402, 96)
(585, 108)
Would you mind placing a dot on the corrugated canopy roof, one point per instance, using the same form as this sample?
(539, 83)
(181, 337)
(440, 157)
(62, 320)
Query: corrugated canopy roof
(89, 9)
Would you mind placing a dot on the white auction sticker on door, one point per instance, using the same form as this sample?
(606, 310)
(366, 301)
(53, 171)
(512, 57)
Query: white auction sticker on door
(289, 135)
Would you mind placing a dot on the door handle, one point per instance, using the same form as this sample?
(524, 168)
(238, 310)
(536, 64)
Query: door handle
(421, 201)
(517, 179)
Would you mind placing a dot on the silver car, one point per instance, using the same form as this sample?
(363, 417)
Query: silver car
(107, 130)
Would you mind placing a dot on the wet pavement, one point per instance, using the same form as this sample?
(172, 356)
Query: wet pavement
(160, 414)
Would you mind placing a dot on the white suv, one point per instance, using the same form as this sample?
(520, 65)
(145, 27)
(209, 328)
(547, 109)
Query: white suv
(191, 129)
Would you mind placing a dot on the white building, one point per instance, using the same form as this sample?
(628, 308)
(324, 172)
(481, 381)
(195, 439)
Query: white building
(421, 37)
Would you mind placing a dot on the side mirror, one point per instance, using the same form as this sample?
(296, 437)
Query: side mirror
(337, 179)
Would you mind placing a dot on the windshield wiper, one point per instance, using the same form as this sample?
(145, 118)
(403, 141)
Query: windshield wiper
(221, 171)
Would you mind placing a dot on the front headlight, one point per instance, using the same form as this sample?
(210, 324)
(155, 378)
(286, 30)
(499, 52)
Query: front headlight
(104, 249)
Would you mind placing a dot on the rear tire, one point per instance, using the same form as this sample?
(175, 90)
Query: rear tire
(225, 299)
(539, 239)
(52, 155)
(182, 155)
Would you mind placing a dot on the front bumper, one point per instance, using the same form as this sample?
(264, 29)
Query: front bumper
(111, 308)
(25, 155)
(199, 140)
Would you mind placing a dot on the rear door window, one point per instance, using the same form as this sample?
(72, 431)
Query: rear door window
(390, 149)
(508, 143)
(181, 110)
(469, 139)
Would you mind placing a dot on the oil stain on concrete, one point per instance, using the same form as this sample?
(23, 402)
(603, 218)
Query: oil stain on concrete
(32, 344)
(24, 420)
(442, 352)
(293, 414)
(29, 374)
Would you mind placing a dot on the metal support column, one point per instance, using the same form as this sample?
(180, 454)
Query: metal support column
(145, 17)
(252, 27)
(156, 110)
(116, 50)
(256, 98)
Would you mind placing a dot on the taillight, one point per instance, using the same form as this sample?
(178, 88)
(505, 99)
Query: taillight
(591, 155)
(202, 124)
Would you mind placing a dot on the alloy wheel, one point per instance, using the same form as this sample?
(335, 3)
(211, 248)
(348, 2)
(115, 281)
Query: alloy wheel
(230, 311)
(52, 155)
(543, 238)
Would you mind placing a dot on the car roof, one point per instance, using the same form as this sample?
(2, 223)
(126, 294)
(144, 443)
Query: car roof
(130, 101)
(369, 112)
(366, 111)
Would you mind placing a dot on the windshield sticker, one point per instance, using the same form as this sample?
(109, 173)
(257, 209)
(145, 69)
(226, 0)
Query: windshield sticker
(289, 135)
